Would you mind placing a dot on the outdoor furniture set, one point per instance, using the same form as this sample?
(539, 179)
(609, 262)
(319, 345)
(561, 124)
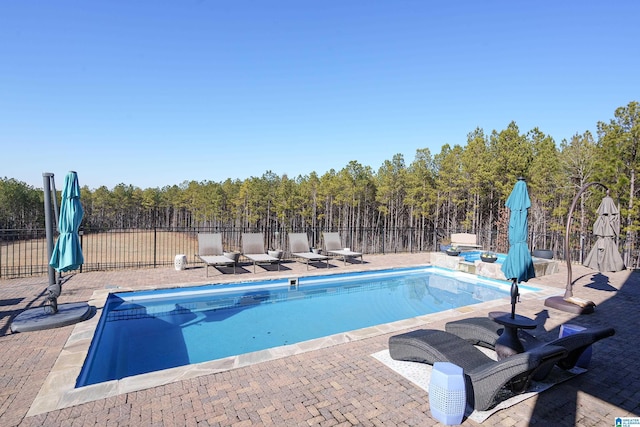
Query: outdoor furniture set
(483, 376)
(210, 250)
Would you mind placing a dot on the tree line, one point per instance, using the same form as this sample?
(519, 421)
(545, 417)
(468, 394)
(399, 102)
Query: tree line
(461, 188)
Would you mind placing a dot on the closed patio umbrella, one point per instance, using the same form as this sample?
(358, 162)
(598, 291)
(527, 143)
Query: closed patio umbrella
(518, 266)
(604, 255)
(67, 253)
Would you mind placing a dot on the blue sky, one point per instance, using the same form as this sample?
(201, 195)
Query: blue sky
(154, 93)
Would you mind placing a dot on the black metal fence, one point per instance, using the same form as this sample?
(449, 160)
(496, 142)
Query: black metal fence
(24, 253)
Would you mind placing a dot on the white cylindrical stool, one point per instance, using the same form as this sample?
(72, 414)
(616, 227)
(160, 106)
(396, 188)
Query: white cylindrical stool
(585, 357)
(447, 393)
(180, 262)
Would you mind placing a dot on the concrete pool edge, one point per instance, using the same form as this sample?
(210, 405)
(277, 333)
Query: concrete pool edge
(58, 390)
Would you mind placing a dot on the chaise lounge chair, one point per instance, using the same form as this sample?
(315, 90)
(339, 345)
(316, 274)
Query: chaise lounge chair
(333, 246)
(484, 377)
(299, 248)
(465, 241)
(253, 248)
(484, 332)
(210, 251)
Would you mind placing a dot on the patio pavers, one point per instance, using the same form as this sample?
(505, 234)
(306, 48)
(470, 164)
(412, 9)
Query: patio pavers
(337, 385)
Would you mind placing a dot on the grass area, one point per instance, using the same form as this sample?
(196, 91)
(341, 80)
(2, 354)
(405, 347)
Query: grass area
(102, 251)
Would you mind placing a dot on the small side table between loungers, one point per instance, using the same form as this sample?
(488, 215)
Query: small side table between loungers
(508, 343)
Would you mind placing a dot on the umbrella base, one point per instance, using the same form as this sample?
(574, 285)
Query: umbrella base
(38, 319)
(560, 304)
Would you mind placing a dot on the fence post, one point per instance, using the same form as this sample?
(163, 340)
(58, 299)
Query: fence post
(155, 246)
(81, 233)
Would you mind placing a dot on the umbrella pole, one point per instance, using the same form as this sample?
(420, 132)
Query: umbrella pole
(515, 293)
(567, 253)
(51, 304)
(565, 303)
(56, 226)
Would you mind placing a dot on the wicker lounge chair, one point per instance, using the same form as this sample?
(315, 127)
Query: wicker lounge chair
(333, 246)
(210, 251)
(253, 249)
(299, 248)
(484, 377)
(484, 332)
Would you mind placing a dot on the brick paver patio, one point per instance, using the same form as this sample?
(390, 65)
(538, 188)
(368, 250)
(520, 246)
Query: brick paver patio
(340, 385)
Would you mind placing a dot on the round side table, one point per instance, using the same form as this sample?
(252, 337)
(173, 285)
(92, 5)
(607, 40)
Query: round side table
(508, 343)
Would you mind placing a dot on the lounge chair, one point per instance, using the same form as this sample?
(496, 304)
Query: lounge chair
(484, 377)
(299, 248)
(333, 246)
(253, 249)
(465, 241)
(484, 332)
(210, 251)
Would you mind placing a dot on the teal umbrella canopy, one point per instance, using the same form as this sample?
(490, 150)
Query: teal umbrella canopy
(518, 266)
(67, 253)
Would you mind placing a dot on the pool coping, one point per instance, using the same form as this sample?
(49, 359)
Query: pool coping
(58, 390)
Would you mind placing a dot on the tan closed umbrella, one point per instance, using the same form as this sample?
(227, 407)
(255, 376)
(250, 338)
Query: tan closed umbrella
(604, 256)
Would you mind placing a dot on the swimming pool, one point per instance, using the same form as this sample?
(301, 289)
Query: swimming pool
(147, 331)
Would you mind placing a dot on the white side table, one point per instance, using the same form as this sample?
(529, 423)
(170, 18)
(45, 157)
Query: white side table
(585, 357)
(447, 393)
(180, 262)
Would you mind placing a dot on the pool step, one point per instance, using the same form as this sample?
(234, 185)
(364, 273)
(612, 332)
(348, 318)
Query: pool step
(467, 267)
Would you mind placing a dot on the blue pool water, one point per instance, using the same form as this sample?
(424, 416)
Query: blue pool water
(146, 331)
(471, 256)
